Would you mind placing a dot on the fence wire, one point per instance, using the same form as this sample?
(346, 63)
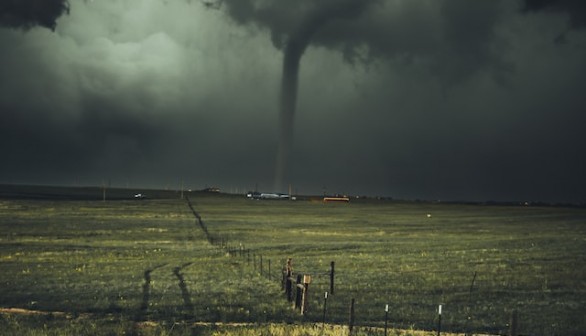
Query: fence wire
(467, 294)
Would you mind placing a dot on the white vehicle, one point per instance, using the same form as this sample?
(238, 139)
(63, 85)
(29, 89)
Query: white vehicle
(259, 195)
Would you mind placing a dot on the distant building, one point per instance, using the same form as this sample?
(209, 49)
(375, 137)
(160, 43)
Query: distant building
(212, 189)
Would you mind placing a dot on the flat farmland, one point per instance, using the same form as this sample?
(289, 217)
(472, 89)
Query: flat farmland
(149, 267)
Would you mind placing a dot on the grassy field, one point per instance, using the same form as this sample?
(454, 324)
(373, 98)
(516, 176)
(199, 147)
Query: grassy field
(146, 267)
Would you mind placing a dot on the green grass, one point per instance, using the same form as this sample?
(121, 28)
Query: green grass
(126, 261)
(529, 259)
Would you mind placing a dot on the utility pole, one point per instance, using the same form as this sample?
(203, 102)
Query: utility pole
(103, 191)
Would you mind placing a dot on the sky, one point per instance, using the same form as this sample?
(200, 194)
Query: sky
(450, 100)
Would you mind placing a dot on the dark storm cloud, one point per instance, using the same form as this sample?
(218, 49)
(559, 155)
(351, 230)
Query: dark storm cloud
(431, 99)
(26, 14)
(354, 26)
(62, 116)
(576, 9)
(44, 146)
(430, 32)
(118, 85)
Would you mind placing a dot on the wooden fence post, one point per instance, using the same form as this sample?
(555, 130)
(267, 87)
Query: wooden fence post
(332, 267)
(325, 310)
(514, 321)
(284, 280)
(386, 318)
(287, 279)
(304, 301)
(289, 288)
(351, 317)
(439, 320)
(298, 296)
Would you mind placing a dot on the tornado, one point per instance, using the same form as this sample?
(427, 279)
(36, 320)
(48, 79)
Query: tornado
(289, 83)
(293, 50)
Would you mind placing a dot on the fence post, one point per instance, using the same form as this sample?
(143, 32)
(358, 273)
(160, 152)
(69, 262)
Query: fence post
(386, 318)
(439, 320)
(289, 289)
(288, 273)
(325, 309)
(351, 318)
(514, 321)
(304, 301)
(332, 267)
(298, 295)
(284, 280)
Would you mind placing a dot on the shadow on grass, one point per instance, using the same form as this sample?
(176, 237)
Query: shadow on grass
(188, 308)
(146, 293)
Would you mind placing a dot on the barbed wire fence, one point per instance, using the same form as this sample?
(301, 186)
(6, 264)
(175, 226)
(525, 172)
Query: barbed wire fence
(317, 296)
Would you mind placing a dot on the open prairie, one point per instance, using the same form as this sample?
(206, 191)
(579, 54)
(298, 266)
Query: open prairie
(124, 266)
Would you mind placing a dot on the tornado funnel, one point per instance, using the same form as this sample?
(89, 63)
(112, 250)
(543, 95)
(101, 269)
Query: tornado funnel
(293, 51)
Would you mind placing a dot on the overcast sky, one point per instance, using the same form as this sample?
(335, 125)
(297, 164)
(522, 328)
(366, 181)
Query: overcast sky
(413, 99)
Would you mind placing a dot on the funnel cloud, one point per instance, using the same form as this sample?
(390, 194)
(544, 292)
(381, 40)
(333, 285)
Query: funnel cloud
(411, 99)
(295, 46)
